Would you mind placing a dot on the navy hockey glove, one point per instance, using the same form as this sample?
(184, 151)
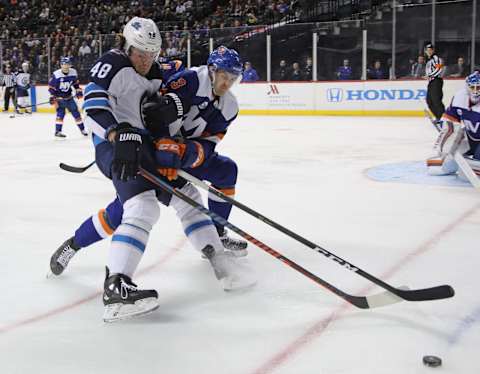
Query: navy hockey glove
(159, 111)
(126, 151)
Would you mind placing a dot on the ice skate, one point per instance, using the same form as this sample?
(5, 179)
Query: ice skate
(238, 247)
(232, 274)
(84, 133)
(60, 135)
(123, 300)
(62, 256)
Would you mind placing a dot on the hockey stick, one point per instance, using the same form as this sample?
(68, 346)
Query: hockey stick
(363, 302)
(428, 115)
(26, 107)
(434, 293)
(75, 169)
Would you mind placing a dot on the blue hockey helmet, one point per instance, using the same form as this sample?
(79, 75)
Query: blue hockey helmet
(65, 60)
(226, 59)
(473, 85)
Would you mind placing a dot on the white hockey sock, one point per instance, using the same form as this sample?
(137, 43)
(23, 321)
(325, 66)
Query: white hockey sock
(126, 249)
(198, 227)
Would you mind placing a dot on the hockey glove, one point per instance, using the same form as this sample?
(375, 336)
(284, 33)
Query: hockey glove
(168, 155)
(79, 93)
(171, 155)
(159, 111)
(52, 100)
(126, 151)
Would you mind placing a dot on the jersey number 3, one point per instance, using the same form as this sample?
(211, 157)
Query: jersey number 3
(100, 70)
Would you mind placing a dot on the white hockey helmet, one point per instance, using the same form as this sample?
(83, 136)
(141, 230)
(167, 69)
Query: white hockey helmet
(143, 34)
(25, 66)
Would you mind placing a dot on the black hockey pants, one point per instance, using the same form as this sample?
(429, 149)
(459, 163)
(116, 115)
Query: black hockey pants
(435, 96)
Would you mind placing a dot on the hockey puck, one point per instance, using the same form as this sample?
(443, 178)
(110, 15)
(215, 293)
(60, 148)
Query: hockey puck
(432, 361)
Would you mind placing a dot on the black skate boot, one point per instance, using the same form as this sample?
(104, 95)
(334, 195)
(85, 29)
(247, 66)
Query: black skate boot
(122, 298)
(60, 135)
(237, 246)
(62, 256)
(232, 274)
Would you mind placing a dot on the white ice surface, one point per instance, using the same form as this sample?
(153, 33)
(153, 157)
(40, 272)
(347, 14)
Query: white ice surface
(306, 173)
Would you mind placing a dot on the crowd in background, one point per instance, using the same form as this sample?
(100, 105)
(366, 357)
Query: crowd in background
(415, 69)
(80, 28)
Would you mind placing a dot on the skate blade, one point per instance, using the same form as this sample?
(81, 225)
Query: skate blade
(50, 275)
(230, 285)
(235, 253)
(120, 312)
(239, 252)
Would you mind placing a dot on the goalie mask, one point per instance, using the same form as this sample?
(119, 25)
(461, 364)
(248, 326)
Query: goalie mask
(473, 86)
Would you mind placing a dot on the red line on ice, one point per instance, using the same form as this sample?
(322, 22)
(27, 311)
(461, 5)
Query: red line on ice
(293, 348)
(53, 312)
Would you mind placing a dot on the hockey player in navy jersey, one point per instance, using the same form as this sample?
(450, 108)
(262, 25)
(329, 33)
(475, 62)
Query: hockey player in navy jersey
(118, 85)
(460, 131)
(61, 96)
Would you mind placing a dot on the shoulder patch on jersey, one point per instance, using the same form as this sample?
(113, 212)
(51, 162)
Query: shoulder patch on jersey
(177, 83)
(58, 73)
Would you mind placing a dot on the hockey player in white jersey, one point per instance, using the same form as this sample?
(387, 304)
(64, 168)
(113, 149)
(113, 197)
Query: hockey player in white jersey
(460, 132)
(22, 87)
(112, 104)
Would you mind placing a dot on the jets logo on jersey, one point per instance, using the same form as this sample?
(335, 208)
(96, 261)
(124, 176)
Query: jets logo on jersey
(137, 25)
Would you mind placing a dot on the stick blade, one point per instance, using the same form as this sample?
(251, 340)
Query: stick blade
(426, 294)
(74, 169)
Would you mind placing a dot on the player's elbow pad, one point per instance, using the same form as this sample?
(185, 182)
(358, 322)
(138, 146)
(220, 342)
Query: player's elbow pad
(194, 154)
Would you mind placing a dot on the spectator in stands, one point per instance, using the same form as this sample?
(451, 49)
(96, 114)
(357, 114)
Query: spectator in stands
(84, 50)
(459, 70)
(296, 74)
(249, 73)
(308, 70)
(282, 73)
(377, 71)
(418, 68)
(344, 72)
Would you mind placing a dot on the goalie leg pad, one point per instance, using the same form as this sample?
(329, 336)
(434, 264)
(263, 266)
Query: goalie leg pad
(474, 165)
(439, 167)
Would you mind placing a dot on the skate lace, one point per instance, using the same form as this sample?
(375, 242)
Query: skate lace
(231, 243)
(125, 288)
(66, 255)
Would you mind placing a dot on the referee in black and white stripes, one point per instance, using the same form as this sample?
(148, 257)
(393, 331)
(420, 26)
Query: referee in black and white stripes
(8, 80)
(434, 70)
